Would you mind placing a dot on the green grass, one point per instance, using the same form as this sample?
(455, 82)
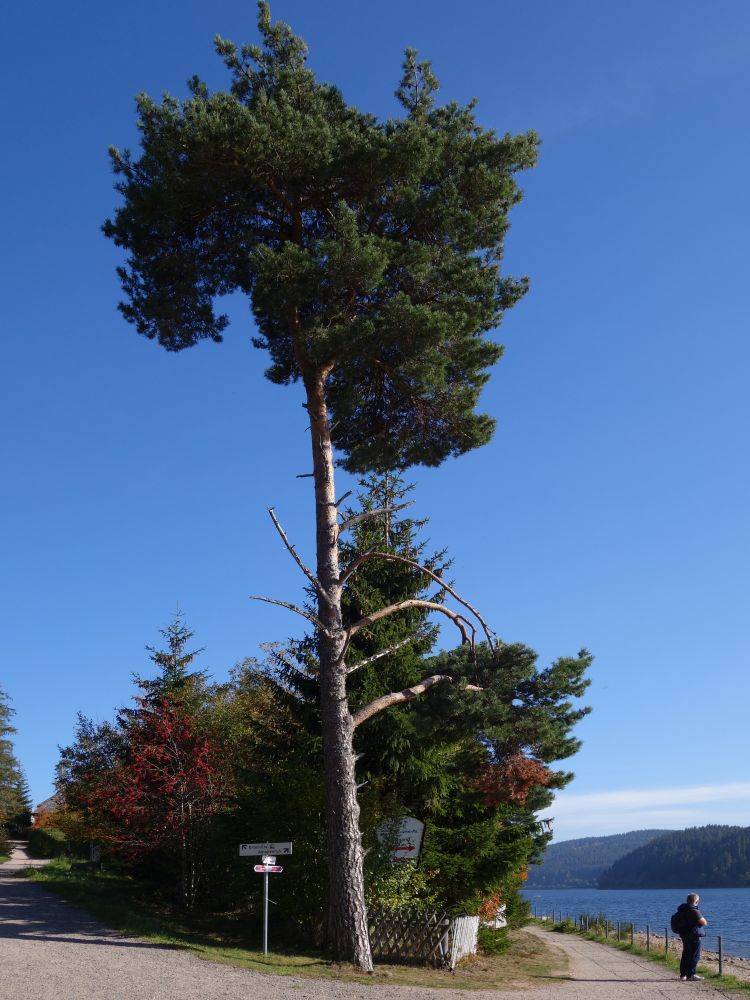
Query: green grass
(670, 961)
(126, 906)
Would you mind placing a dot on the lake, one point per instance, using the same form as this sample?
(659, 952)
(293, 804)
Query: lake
(726, 910)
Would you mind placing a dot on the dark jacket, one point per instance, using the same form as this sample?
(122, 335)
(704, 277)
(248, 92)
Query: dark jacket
(691, 916)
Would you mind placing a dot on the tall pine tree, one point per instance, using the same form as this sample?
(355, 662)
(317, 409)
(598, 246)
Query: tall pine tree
(371, 255)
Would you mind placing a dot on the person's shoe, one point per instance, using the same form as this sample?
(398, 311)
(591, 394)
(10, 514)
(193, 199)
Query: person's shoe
(694, 978)
(683, 979)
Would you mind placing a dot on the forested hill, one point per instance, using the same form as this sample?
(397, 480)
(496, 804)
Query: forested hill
(716, 857)
(577, 864)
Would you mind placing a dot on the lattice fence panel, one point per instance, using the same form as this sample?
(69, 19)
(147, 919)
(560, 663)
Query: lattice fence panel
(410, 935)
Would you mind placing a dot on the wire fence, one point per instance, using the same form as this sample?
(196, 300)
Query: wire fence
(652, 937)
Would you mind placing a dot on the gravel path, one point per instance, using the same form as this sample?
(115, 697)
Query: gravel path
(52, 951)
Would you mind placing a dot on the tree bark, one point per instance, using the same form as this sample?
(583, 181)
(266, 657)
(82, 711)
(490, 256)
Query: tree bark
(347, 913)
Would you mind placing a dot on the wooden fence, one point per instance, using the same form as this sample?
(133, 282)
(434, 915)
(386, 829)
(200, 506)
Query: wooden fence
(427, 937)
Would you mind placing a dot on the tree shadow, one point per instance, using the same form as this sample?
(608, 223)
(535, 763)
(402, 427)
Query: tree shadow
(27, 912)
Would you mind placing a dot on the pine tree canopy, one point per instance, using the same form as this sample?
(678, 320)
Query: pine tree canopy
(370, 249)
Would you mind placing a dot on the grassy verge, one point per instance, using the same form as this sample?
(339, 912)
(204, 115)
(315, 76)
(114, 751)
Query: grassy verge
(126, 906)
(670, 961)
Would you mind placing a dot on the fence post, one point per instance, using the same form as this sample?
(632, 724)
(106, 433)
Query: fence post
(618, 930)
(666, 941)
(721, 958)
(648, 938)
(632, 935)
(606, 928)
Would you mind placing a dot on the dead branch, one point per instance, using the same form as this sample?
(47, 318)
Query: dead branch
(373, 553)
(462, 624)
(391, 649)
(356, 518)
(400, 697)
(355, 564)
(292, 607)
(319, 590)
(342, 498)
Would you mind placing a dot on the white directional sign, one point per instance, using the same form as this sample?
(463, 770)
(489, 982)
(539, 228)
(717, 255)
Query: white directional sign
(403, 837)
(266, 847)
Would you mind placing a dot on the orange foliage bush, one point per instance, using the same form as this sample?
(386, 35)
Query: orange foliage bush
(511, 780)
(46, 818)
(490, 906)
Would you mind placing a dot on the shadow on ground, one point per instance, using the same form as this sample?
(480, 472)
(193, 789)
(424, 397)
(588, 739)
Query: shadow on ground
(26, 911)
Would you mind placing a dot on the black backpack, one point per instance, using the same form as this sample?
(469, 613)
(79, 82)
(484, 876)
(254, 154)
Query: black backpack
(678, 923)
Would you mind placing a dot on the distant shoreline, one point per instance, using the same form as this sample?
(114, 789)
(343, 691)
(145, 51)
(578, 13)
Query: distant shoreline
(626, 888)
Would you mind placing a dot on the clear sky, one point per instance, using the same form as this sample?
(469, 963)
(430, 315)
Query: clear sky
(610, 510)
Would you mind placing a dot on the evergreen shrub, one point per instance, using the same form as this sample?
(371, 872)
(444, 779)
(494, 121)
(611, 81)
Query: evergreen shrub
(46, 842)
(493, 941)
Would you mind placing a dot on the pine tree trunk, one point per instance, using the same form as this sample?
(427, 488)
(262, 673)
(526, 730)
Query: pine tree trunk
(347, 912)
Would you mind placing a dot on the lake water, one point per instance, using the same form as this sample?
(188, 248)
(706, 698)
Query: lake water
(726, 910)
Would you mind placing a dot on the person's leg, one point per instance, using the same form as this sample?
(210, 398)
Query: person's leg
(695, 956)
(685, 958)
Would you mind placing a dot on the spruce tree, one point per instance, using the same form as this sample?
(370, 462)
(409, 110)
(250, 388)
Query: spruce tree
(15, 800)
(371, 253)
(175, 680)
(476, 769)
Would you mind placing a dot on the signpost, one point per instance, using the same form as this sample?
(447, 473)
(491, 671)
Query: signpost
(265, 847)
(267, 851)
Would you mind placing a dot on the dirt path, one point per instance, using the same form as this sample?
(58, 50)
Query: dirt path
(20, 858)
(601, 973)
(52, 951)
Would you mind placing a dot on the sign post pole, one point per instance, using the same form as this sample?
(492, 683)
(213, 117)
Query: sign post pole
(268, 866)
(265, 913)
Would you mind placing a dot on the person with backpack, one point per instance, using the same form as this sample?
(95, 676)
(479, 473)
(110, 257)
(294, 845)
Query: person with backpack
(689, 922)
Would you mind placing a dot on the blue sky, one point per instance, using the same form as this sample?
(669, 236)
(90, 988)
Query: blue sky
(609, 511)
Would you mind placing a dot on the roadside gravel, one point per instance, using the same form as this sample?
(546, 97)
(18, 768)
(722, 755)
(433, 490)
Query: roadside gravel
(52, 951)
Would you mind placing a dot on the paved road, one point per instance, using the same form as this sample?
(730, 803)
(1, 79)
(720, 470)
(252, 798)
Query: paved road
(52, 951)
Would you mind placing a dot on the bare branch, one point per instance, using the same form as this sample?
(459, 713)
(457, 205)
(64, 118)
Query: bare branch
(356, 518)
(355, 564)
(461, 623)
(391, 557)
(305, 475)
(292, 607)
(400, 697)
(342, 498)
(319, 590)
(384, 652)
